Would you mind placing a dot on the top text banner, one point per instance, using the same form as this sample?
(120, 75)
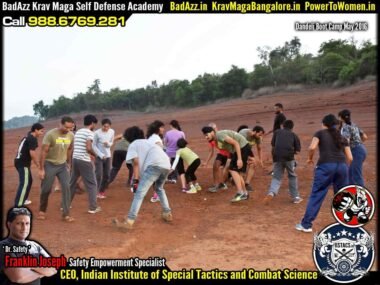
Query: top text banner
(122, 8)
(116, 13)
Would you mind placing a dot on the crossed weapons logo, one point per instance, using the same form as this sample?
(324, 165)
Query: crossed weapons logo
(343, 254)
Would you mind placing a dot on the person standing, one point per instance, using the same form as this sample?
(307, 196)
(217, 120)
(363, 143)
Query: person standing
(26, 153)
(334, 154)
(285, 145)
(18, 222)
(240, 149)
(103, 140)
(355, 137)
(254, 138)
(170, 142)
(56, 186)
(82, 165)
(55, 161)
(150, 165)
(279, 118)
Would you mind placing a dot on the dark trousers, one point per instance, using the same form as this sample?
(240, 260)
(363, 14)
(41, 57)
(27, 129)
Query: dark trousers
(178, 170)
(24, 186)
(359, 154)
(51, 171)
(118, 158)
(102, 172)
(190, 171)
(84, 169)
(325, 174)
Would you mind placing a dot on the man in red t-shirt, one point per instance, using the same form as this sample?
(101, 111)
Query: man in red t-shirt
(220, 166)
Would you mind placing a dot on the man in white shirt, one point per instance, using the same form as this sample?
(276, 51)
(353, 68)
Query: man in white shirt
(150, 165)
(103, 140)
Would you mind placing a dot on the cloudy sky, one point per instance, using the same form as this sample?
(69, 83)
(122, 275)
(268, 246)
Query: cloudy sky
(44, 63)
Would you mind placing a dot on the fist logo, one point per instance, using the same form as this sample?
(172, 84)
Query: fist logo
(343, 201)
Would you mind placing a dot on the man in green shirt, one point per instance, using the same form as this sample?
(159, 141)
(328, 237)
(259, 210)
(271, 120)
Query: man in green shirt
(55, 160)
(254, 138)
(240, 149)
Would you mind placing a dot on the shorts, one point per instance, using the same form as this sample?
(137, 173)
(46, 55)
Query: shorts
(222, 159)
(246, 151)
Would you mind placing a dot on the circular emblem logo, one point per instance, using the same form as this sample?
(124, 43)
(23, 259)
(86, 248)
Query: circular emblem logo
(353, 206)
(343, 254)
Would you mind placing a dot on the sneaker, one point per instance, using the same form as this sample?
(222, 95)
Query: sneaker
(167, 216)
(97, 210)
(244, 196)
(248, 187)
(101, 195)
(192, 190)
(268, 198)
(125, 226)
(299, 227)
(297, 200)
(27, 202)
(68, 219)
(155, 199)
(238, 197)
(171, 181)
(213, 189)
(222, 186)
(198, 187)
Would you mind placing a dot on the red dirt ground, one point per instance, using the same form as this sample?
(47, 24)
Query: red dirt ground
(208, 231)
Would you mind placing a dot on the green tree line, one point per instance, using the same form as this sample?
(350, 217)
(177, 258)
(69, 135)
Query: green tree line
(340, 61)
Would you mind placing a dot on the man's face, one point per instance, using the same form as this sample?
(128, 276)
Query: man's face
(93, 125)
(19, 228)
(106, 127)
(209, 136)
(277, 109)
(66, 127)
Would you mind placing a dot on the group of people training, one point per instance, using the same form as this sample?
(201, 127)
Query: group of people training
(67, 156)
(161, 157)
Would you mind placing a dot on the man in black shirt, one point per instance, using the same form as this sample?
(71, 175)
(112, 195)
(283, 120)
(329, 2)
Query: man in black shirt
(285, 144)
(16, 245)
(279, 119)
(26, 152)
